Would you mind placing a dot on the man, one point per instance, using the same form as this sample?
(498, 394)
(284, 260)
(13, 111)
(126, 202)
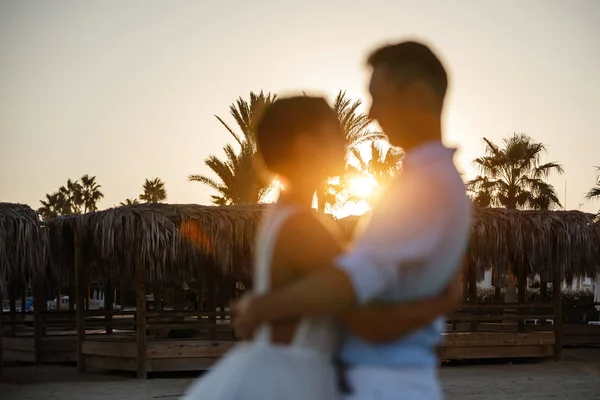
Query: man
(412, 247)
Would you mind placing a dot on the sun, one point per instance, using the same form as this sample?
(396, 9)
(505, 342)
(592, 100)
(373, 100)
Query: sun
(362, 186)
(357, 196)
(274, 190)
(353, 200)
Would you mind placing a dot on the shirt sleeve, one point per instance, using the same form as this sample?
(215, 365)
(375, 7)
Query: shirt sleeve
(401, 235)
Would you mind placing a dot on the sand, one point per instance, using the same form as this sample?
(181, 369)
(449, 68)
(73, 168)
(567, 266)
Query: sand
(576, 377)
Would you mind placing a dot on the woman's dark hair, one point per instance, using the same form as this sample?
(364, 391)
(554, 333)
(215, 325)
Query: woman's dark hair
(284, 120)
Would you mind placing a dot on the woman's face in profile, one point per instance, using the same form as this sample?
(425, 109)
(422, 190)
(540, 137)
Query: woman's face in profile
(319, 154)
(331, 149)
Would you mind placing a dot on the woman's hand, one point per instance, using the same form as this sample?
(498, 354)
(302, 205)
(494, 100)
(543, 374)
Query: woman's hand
(245, 316)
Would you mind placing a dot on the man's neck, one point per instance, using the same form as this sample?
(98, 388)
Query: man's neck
(423, 130)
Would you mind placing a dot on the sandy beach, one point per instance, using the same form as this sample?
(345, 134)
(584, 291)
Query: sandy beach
(576, 377)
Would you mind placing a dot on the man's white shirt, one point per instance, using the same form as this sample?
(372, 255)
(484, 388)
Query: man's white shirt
(418, 233)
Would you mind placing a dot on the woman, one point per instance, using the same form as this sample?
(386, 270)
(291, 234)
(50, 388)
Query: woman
(300, 140)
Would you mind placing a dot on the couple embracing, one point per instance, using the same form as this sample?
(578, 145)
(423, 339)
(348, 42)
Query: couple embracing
(327, 322)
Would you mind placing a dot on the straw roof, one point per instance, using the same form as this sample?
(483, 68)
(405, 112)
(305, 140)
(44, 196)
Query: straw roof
(22, 244)
(171, 242)
(175, 242)
(541, 240)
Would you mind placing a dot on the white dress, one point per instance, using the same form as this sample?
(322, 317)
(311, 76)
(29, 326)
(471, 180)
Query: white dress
(261, 370)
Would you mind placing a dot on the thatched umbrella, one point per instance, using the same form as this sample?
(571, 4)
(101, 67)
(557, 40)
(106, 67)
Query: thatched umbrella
(173, 241)
(540, 240)
(170, 241)
(22, 245)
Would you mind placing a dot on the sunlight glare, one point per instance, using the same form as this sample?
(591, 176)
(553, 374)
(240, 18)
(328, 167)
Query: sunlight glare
(351, 209)
(273, 194)
(362, 186)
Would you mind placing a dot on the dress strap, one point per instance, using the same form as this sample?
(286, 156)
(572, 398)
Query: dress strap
(265, 246)
(302, 333)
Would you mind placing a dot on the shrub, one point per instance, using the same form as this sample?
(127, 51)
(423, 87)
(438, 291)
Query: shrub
(486, 295)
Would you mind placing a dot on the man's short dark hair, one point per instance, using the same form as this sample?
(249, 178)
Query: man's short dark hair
(284, 120)
(409, 61)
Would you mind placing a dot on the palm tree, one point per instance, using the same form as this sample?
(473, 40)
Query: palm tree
(237, 183)
(381, 165)
(513, 177)
(129, 202)
(72, 193)
(238, 179)
(354, 124)
(73, 198)
(90, 193)
(154, 191)
(54, 205)
(356, 128)
(246, 115)
(594, 193)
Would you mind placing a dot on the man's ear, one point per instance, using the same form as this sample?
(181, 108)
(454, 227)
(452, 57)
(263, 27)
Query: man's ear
(418, 91)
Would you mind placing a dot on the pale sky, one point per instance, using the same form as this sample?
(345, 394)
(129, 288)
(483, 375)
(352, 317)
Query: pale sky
(128, 90)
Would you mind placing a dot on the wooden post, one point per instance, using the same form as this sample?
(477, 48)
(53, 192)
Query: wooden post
(544, 291)
(202, 295)
(557, 279)
(465, 281)
(24, 301)
(157, 298)
(140, 295)
(58, 296)
(72, 297)
(109, 294)
(178, 298)
(87, 302)
(473, 290)
(80, 293)
(224, 295)
(499, 282)
(544, 279)
(498, 294)
(232, 290)
(12, 301)
(211, 297)
(121, 292)
(1, 335)
(39, 303)
(522, 291)
(199, 286)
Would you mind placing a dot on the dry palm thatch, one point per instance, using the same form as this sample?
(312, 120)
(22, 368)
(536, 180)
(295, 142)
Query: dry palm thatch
(171, 242)
(22, 244)
(540, 240)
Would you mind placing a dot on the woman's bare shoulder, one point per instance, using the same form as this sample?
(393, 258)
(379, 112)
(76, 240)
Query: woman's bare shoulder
(306, 242)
